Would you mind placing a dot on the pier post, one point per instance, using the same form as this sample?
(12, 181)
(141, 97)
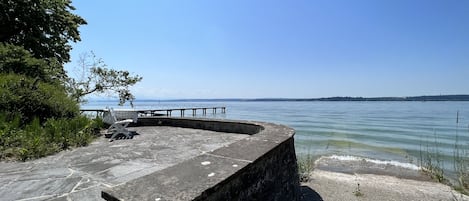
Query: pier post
(193, 112)
(204, 111)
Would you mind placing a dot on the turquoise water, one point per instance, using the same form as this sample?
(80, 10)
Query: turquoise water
(395, 131)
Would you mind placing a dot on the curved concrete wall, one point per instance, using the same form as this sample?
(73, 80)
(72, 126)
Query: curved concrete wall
(204, 124)
(262, 166)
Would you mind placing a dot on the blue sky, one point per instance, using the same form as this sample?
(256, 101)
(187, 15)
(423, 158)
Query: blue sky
(284, 49)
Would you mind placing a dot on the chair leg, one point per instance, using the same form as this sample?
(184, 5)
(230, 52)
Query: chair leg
(117, 129)
(114, 136)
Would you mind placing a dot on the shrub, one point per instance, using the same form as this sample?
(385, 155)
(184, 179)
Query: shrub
(31, 98)
(35, 140)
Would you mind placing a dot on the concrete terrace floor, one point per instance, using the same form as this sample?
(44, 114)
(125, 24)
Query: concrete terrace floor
(81, 173)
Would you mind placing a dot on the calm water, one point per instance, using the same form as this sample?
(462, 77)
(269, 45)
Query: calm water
(395, 131)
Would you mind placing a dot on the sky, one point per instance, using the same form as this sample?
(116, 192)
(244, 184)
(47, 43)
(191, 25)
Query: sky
(281, 49)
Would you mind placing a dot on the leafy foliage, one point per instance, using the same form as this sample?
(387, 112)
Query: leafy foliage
(95, 77)
(43, 27)
(35, 140)
(38, 115)
(31, 98)
(15, 59)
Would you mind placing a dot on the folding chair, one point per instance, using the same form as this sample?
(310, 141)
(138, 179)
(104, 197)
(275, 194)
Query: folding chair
(119, 127)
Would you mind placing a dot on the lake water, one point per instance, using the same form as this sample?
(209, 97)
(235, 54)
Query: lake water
(391, 131)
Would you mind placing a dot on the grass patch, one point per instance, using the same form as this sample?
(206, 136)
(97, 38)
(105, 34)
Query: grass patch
(35, 139)
(461, 162)
(431, 161)
(358, 192)
(432, 164)
(305, 166)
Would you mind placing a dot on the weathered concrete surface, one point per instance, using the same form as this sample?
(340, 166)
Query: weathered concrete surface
(271, 177)
(259, 167)
(82, 173)
(226, 126)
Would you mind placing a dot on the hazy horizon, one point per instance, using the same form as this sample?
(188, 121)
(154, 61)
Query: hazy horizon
(295, 49)
(259, 98)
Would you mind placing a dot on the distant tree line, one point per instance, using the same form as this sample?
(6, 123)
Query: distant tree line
(348, 98)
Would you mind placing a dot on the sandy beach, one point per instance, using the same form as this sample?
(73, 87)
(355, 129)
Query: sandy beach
(382, 184)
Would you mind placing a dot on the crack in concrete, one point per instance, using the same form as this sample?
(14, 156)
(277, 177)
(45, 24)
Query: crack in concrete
(88, 179)
(78, 184)
(71, 172)
(74, 191)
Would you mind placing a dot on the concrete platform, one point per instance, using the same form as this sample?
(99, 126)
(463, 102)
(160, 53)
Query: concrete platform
(82, 173)
(262, 166)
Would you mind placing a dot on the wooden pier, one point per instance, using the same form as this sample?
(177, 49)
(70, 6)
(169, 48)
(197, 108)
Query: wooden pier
(163, 112)
(182, 111)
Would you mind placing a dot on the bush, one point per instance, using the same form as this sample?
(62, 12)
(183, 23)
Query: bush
(15, 59)
(37, 140)
(31, 98)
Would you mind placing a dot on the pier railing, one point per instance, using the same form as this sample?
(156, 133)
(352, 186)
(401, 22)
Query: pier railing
(162, 112)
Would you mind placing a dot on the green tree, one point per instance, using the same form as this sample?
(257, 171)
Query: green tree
(43, 27)
(15, 59)
(30, 88)
(39, 112)
(94, 77)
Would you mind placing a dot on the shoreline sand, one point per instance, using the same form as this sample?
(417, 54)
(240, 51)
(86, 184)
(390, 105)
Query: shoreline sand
(332, 180)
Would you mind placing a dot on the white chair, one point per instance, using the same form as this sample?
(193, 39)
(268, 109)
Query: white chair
(119, 120)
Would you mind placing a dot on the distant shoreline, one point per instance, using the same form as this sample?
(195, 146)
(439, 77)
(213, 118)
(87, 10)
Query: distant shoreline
(409, 98)
(337, 98)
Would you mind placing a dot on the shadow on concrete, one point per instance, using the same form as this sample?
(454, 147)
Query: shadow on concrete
(308, 194)
(122, 136)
